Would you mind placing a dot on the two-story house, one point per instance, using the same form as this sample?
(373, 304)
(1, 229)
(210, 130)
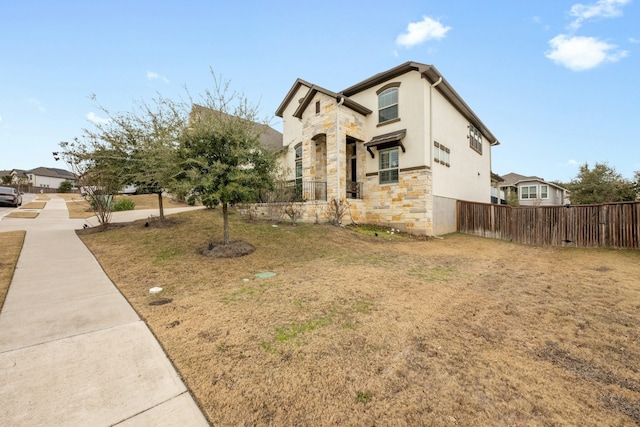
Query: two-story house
(534, 191)
(400, 147)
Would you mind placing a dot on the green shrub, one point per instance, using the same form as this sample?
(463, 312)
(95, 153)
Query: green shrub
(65, 187)
(124, 205)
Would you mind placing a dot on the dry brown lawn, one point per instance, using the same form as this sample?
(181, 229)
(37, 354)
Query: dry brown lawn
(358, 329)
(9, 252)
(34, 205)
(79, 208)
(23, 214)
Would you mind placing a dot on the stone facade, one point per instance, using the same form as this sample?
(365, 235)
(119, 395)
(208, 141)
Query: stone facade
(406, 205)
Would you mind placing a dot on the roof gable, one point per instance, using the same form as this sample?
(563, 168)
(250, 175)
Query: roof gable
(347, 102)
(292, 92)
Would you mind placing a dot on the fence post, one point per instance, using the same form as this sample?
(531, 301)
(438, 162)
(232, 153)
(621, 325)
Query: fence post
(603, 219)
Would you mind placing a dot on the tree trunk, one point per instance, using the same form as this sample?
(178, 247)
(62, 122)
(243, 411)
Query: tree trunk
(225, 227)
(160, 206)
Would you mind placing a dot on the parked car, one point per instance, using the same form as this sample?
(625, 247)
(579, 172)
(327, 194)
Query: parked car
(10, 196)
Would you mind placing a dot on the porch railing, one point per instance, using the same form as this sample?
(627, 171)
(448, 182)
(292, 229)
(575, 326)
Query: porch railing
(295, 192)
(354, 190)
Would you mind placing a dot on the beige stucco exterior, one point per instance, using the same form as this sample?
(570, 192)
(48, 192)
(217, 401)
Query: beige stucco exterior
(340, 131)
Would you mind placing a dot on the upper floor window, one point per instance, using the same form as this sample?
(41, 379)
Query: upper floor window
(544, 191)
(529, 192)
(441, 154)
(475, 139)
(388, 166)
(388, 105)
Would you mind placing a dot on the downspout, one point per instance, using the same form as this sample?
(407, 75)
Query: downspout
(340, 102)
(431, 116)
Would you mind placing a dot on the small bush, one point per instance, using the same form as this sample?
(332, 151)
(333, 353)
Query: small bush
(65, 187)
(124, 205)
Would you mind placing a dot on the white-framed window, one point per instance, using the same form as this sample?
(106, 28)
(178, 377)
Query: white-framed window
(441, 154)
(388, 105)
(388, 166)
(529, 192)
(475, 139)
(544, 191)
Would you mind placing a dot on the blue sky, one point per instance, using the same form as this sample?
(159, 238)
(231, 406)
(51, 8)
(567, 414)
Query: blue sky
(556, 81)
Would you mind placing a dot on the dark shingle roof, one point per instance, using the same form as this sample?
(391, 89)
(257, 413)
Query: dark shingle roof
(52, 173)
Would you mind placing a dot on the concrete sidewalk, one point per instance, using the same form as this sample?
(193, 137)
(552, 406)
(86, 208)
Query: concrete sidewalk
(72, 350)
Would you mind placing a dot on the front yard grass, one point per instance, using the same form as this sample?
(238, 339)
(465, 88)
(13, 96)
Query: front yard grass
(359, 329)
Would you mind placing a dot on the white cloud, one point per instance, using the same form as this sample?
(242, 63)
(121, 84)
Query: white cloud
(36, 103)
(420, 32)
(601, 9)
(582, 53)
(94, 118)
(0, 118)
(634, 40)
(152, 75)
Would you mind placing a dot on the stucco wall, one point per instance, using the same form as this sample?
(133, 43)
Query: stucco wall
(411, 111)
(45, 181)
(469, 175)
(444, 210)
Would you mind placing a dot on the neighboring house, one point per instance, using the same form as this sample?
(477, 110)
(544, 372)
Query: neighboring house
(497, 194)
(534, 191)
(400, 147)
(44, 177)
(270, 138)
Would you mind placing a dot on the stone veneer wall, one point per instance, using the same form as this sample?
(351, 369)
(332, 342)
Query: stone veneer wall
(406, 205)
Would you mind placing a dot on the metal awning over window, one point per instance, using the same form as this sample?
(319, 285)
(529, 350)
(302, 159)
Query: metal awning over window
(388, 140)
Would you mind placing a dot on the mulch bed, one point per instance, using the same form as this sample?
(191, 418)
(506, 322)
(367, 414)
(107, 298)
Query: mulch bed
(232, 250)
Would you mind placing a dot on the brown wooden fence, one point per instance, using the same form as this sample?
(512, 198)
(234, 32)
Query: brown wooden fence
(612, 225)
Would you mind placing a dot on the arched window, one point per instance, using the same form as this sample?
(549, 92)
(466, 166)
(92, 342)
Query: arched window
(388, 105)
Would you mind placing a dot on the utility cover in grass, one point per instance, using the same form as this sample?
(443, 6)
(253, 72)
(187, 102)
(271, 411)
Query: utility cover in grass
(265, 274)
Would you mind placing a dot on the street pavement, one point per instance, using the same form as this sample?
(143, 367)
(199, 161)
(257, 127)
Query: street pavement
(73, 352)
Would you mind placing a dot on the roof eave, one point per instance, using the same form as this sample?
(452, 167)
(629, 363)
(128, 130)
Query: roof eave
(384, 76)
(432, 75)
(337, 96)
(292, 92)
